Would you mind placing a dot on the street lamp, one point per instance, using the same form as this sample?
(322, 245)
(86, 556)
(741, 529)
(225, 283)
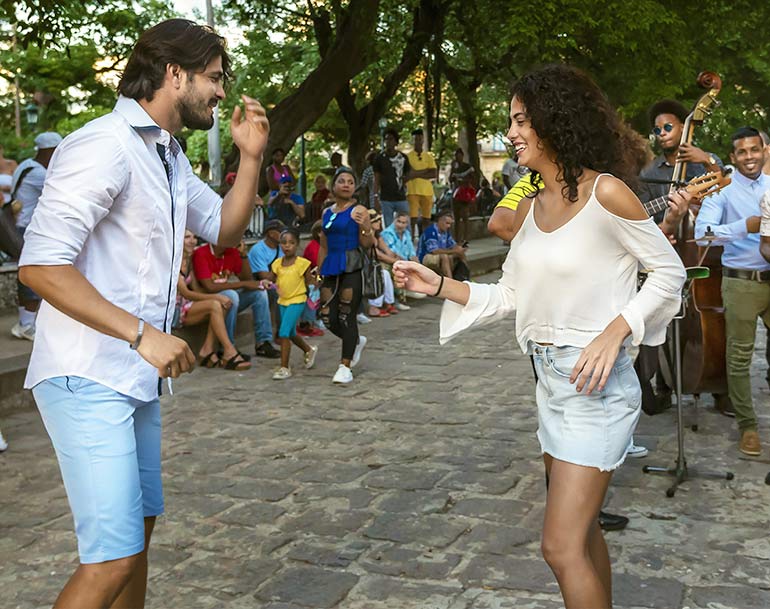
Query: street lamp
(382, 123)
(32, 114)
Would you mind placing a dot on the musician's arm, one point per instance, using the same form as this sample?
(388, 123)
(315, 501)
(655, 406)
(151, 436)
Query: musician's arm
(764, 227)
(710, 217)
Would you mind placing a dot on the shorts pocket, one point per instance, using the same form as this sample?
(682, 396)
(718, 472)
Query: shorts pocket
(563, 365)
(628, 382)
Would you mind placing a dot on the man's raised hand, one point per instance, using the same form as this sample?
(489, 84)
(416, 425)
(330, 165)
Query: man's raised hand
(250, 128)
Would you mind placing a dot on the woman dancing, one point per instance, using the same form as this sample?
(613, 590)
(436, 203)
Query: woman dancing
(571, 278)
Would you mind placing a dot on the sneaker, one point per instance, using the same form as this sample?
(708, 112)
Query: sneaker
(3, 443)
(267, 350)
(363, 319)
(310, 357)
(282, 374)
(343, 376)
(636, 452)
(402, 307)
(415, 295)
(357, 353)
(750, 443)
(23, 332)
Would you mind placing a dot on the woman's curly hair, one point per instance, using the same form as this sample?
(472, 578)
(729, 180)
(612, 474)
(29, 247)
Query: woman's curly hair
(569, 112)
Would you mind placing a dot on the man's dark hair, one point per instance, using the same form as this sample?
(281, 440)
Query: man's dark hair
(418, 132)
(668, 106)
(443, 213)
(391, 131)
(743, 133)
(178, 42)
(765, 137)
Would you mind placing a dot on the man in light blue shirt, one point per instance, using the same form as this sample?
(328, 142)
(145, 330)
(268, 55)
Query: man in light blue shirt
(733, 217)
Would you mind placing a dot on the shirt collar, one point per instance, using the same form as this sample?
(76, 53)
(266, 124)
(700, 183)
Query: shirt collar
(741, 179)
(138, 118)
(662, 162)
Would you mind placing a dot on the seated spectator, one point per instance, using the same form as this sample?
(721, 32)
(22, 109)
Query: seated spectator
(194, 307)
(226, 271)
(397, 241)
(286, 205)
(319, 198)
(384, 305)
(263, 253)
(437, 249)
(398, 238)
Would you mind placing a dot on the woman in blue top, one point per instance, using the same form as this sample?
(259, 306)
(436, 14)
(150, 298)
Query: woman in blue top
(345, 227)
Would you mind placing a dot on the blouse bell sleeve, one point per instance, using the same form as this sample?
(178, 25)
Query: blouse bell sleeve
(650, 311)
(487, 303)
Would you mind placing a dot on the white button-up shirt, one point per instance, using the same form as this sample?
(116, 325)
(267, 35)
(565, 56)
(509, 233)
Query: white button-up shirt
(110, 208)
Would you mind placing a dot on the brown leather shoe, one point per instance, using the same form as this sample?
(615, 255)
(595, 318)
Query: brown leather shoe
(750, 443)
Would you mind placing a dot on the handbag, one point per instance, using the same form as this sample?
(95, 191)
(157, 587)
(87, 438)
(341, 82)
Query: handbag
(371, 275)
(11, 241)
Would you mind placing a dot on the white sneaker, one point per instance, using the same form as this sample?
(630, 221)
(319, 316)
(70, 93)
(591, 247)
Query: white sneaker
(343, 376)
(357, 353)
(363, 319)
(23, 332)
(310, 357)
(415, 295)
(3, 443)
(636, 452)
(402, 307)
(282, 374)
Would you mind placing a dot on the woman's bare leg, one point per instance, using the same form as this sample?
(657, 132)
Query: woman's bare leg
(202, 310)
(570, 546)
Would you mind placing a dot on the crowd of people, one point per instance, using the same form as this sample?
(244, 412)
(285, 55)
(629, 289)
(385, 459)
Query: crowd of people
(578, 236)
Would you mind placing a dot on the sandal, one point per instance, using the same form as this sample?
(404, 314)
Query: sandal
(208, 362)
(237, 363)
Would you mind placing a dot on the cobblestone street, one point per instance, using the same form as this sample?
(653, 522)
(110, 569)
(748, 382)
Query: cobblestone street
(419, 486)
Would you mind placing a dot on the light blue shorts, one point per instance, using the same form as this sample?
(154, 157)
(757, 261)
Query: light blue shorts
(592, 430)
(290, 316)
(108, 447)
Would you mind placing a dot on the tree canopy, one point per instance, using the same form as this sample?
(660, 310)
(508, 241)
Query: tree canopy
(332, 69)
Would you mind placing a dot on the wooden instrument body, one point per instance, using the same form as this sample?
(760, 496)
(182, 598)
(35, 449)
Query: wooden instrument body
(702, 330)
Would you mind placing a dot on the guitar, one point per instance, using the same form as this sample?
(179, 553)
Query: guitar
(701, 187)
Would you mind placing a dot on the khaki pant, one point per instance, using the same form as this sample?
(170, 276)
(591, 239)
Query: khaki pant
(744, 301)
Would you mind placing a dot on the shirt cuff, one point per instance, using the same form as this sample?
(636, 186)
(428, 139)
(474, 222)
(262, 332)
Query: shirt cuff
(635, 321)
(456, 318)
(764, 227)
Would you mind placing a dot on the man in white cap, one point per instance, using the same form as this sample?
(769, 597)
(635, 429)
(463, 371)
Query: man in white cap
(26, 187)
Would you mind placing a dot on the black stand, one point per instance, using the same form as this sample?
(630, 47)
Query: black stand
(679, 470)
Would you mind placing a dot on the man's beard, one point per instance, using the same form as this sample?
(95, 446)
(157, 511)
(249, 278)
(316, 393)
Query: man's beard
(194, 114)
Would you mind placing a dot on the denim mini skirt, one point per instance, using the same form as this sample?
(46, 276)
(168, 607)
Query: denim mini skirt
(591, 430)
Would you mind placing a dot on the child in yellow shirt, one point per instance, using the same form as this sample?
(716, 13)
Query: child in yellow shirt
(292, 275)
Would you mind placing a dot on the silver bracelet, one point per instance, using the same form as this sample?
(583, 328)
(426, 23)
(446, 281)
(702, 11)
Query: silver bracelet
(140, 332)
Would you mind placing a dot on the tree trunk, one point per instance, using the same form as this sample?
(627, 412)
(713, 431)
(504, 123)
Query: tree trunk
(362, 122)
(344, 58)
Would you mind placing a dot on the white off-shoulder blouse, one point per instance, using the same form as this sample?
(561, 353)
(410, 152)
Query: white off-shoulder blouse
(567, 285)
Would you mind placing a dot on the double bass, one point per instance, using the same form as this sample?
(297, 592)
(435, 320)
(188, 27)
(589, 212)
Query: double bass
(703, 337)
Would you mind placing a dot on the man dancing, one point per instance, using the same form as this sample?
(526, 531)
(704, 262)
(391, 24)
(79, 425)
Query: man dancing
(104, 251)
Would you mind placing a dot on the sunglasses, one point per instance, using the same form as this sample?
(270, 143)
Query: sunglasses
(331, 220)
(668, 128)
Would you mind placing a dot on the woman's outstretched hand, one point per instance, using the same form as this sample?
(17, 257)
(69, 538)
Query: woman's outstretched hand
(415, 277)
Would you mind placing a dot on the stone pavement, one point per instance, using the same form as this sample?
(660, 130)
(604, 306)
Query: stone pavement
(417, 487)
